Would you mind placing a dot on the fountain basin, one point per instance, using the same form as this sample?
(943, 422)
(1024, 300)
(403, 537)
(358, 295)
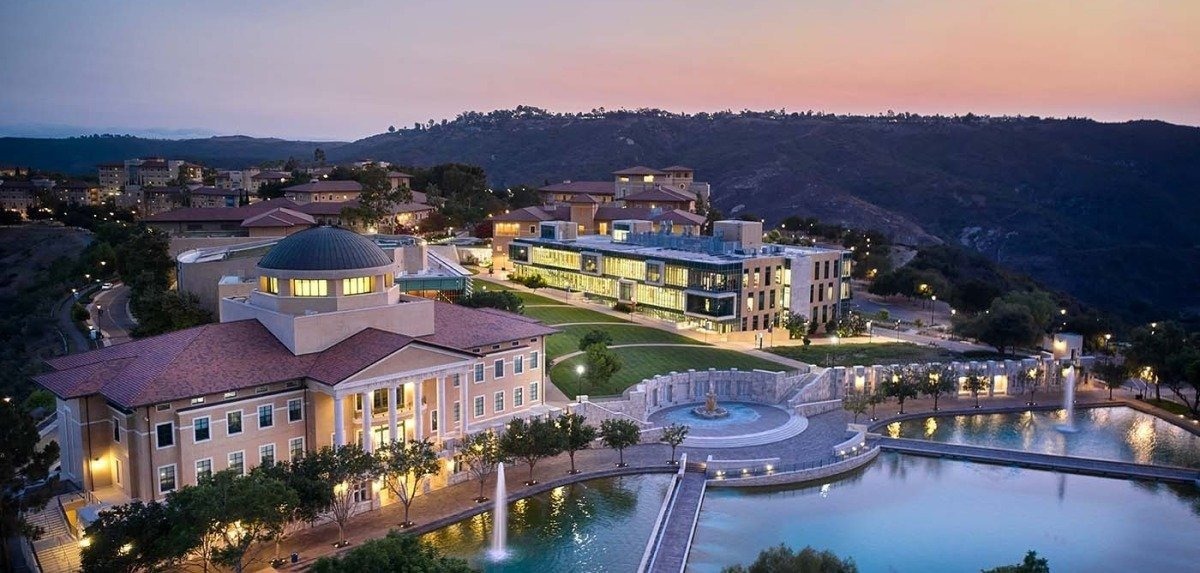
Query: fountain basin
(705, 413)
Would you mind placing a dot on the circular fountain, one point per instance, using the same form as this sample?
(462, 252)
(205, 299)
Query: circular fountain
(710, 410)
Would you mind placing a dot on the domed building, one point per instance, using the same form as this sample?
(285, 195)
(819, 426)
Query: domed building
(322, 335)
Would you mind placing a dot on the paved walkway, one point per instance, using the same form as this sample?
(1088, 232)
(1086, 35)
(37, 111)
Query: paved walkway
(671, 550)
(1005, 457)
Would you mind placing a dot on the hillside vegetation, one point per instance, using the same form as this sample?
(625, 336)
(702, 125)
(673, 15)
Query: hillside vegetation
(1104, 211)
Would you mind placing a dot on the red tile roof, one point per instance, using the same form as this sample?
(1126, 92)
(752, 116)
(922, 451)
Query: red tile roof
(676, 169)
(584, 198)
(639, 170)
(330, 208)
(192, 214)
(326, 187)
(217, 358)
(661, 194)
(280, 217)
(589, 187)
(524, 214)
(458, 326)
(680, 216)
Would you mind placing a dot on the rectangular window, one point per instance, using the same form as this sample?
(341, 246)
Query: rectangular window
(310, 287)
(518, 364)
(296, 409)
(116, 430)
(457, 411)
(826, 269)
(237, 462)
(266, 454)
(166, 479)
(654, 272)
(295, 448)
(268, 285)
(200, 430)
(533, 391)
(518, 397)
(533, 360)
(203, 469)
(479, 406)
(762, 301)
(455, 380)
(816, 270)
(755, 323)
(498, 369)
(166, 434)
(768, 276)
(266, 416)
(233, 423)
(433, 420)
(498, 404)
(478, 373)
(358, 285)
(771, 300)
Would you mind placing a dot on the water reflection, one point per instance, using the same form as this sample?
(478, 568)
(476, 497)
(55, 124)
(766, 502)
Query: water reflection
(911, 513)
(570, 528)
(1118, 433)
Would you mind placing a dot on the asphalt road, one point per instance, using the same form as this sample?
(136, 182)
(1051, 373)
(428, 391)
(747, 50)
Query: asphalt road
(110, 311)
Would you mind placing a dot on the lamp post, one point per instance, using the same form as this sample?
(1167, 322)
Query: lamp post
(932, 303)
(870, 332)
(579, 371)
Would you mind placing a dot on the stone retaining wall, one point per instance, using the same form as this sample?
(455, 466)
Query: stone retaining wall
(1007, 377)
(799, 476)
(641, 400)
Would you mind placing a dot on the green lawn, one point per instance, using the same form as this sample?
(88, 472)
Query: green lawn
(644, 362)
(567, 341)
(566, 314)
(865, 354)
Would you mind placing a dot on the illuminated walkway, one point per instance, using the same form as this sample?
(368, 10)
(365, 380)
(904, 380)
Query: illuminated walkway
(998, 456)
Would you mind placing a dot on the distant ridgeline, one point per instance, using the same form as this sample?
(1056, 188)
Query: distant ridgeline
(1104, 211)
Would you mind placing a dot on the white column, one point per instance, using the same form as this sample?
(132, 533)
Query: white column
(418, 412)
(392, 413)
(366, 419)
(463, 405)
(441, 406)
(339, 422)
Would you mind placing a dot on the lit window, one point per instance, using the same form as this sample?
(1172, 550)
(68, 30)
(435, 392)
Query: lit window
(203, 469)
(237, 462)
(233, 422)
(310, 287)
(518, 397)
(166, 479)
(357, 285)
(268, 284)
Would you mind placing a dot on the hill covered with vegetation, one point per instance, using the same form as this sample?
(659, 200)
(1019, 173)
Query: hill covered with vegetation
(1102, 210)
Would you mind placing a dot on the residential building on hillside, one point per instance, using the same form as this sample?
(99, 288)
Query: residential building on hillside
(261, 178)
(18, 195)
(325, 350)
(229, 221)
(235, 178)
(728, 282)
(679, 181)
(591, 214)
(147, 171)
(77, 192)
(324, 190)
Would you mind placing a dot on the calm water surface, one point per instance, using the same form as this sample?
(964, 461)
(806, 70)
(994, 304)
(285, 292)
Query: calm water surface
(595, 526)
(1120, 433)
(908, 513)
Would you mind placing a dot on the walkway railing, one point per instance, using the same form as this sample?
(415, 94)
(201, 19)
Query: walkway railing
(656, 537)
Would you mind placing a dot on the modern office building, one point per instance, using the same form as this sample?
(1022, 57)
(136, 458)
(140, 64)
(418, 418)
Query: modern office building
(324, 350)
(727, 282)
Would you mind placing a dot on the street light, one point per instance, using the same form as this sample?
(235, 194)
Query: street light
(932, 303)
(870, 332)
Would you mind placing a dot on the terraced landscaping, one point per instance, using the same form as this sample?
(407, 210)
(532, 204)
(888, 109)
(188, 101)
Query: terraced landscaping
(642, 362)
(564, 314)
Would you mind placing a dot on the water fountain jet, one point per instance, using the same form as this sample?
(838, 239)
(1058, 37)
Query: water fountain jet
(1069, 401)
(499, 549)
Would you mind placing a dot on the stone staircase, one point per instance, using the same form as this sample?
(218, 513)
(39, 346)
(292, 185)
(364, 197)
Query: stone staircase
(57, 550)
(793, 427)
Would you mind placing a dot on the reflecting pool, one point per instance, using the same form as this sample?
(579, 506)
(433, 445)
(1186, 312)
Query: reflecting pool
(909, 513)
(1119, 433)
(598, 525)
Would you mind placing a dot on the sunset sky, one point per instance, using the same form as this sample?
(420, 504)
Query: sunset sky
(332, 70)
